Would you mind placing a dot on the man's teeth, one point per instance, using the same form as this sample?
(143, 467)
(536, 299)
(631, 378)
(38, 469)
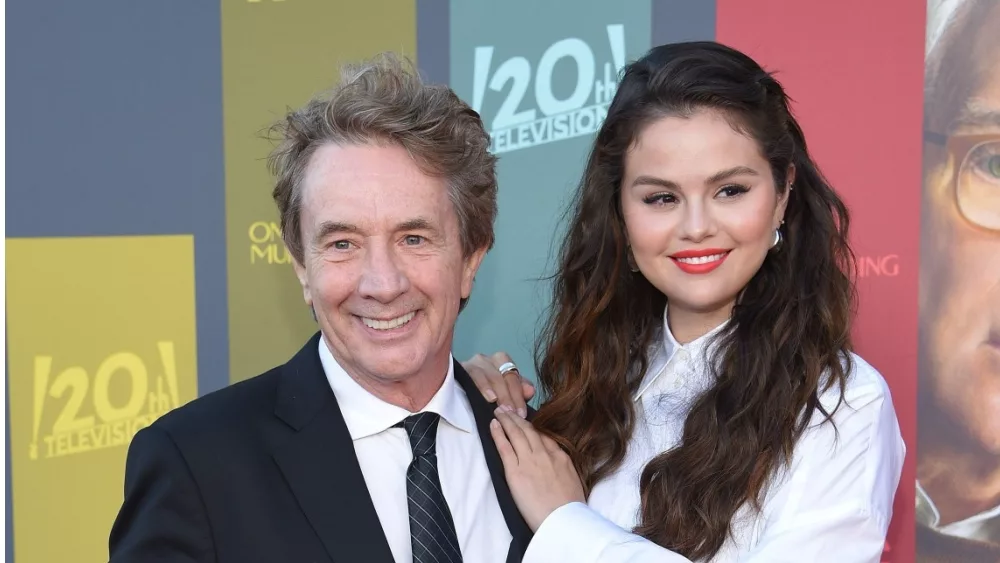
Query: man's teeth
(702, 259)
(386, 325)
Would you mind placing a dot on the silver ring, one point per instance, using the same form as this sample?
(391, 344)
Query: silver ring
(507, 368)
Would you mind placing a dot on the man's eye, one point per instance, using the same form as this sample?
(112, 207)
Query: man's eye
(414, 240)
(342, 245)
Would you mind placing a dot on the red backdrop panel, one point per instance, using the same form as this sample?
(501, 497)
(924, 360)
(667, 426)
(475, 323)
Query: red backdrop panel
(855, 71)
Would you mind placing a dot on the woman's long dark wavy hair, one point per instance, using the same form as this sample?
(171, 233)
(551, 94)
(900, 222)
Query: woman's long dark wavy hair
(787, 340)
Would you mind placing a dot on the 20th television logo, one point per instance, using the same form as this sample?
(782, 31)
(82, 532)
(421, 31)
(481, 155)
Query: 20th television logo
(114, 421)
(581, 113)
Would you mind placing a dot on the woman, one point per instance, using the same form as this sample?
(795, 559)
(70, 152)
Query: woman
(697, 363)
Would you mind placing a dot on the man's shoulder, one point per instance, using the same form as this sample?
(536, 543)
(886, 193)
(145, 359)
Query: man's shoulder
(226, 410)
(247, 402)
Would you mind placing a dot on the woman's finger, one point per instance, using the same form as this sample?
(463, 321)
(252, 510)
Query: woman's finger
(500, 358)
(515, 390)
(507, 454)
(527, 388)
(532, 436)
(488, 379)
(513, 382)
(550, 445)
(515, 434)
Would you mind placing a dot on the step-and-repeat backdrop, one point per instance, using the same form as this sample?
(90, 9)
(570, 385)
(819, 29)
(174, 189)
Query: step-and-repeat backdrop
(145, 265)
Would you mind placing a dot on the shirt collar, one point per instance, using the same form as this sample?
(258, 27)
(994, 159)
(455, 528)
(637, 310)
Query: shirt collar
(928, 514)
(667, 348)
(367, 415)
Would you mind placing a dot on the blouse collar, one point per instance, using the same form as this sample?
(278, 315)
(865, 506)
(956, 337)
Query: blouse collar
(667, 349)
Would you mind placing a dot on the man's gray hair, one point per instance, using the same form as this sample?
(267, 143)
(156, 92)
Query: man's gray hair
(385, 101)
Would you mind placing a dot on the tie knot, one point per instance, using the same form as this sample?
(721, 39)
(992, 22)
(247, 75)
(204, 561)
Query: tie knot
(422, 430)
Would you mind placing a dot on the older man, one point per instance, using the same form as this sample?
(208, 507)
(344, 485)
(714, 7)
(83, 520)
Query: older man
(371, 444)
(958, 452)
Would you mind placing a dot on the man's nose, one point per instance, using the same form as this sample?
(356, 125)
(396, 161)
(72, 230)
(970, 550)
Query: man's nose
(382, 278)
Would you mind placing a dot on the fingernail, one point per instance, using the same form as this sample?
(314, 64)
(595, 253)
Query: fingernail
(490, 395)
(498, 411)
(523, 412)
(494, 424)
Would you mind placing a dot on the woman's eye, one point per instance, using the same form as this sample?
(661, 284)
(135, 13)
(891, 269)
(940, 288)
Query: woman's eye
(659, 199)
(733, 190)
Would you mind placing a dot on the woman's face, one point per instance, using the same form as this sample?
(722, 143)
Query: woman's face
(700, 210)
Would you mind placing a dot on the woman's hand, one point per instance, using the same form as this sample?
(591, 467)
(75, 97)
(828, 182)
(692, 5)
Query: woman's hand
(539, 473)
(506, 389)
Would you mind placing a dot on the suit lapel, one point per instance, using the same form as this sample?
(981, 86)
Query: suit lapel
(483, 413)
(320, 465)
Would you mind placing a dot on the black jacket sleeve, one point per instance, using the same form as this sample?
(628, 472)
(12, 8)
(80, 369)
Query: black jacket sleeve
(163, 517)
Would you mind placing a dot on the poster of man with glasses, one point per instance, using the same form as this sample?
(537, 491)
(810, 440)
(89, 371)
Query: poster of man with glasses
(958, 450)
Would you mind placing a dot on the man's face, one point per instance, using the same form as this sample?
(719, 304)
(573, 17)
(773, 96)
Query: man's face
(960, 274)
(383, 266)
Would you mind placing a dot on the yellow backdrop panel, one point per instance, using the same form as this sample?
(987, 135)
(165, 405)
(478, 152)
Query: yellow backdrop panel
(101, 342)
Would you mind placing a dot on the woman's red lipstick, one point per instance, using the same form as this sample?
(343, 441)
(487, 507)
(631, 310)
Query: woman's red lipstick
(700, 261)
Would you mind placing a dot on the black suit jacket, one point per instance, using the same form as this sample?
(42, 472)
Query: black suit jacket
(265, 470)
(934, 547)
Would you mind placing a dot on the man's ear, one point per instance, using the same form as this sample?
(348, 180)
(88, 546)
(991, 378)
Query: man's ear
(469, 269)
(303, 275)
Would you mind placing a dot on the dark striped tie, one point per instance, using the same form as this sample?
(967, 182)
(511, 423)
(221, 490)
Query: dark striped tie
(432, 530)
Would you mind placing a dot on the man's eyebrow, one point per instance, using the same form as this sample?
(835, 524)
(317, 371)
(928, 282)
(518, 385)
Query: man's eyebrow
(328, 228)
(977, 115)
(417, 224)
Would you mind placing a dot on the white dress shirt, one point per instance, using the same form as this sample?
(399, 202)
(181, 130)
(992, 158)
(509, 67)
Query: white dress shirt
(385, 454)
(833, 503)
(984, 527)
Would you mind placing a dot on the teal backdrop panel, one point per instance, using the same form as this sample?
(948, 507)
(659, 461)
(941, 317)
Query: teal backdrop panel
(541, 74)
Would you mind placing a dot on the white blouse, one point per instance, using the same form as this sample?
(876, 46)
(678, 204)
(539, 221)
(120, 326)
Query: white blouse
(832, 504)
